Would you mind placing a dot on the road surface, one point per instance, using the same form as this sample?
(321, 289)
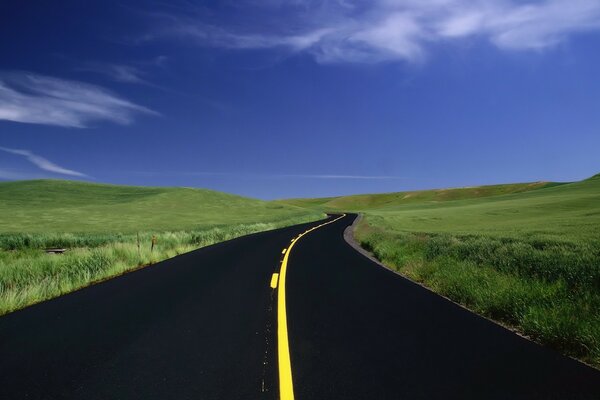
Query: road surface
(207, 325)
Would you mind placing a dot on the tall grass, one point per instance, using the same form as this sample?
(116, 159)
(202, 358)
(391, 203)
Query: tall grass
(28, 275)
(547, 288)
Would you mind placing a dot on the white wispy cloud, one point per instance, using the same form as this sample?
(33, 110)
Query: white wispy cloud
(40, 162)
(380, 30)
(39, 99)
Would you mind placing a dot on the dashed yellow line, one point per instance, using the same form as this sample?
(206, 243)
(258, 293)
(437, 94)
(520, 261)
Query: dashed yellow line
(274, 279)
(286, 384)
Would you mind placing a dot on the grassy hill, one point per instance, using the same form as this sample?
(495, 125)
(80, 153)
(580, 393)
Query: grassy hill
(364, 202)
(72, 206)
(108, 230)
(568, 212)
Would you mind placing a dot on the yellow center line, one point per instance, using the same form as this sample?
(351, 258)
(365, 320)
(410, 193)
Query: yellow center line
(274, 279)
(286, 384)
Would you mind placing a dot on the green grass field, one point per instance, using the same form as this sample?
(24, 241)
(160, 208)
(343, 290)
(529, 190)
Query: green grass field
(108, 230)
(42, 206)
(527, 255)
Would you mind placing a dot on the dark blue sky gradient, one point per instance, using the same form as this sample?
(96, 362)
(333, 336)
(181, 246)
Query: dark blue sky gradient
(271, 124)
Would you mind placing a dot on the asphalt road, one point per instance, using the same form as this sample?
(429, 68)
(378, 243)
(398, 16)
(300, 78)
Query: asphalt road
(204, 326)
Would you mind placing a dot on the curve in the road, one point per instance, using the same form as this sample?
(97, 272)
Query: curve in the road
(360, 331)
(286, 382)
(198, 326)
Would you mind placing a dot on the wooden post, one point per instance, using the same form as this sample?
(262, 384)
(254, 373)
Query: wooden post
(138, 246)
(153, 243)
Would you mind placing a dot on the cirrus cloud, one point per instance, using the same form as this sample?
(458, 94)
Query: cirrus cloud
(39, 99)
(41, 162)
(383, 30)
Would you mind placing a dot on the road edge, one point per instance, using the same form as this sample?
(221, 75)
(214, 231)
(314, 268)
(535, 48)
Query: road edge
(352, 242)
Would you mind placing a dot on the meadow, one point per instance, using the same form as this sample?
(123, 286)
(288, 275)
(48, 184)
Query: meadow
(108, 229)
(529, 259)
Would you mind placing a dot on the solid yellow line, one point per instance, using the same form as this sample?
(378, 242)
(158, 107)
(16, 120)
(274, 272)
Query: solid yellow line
(286, 383)
(274, 280)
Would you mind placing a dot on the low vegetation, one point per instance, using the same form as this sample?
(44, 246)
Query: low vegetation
(529, 259)
(107, 230)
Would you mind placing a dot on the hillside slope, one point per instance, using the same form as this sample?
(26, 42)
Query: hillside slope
(72, 206)
(569, 211)
(364, 202)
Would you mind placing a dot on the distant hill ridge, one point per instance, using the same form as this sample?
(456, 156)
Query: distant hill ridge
(75, 206)
(382, 200)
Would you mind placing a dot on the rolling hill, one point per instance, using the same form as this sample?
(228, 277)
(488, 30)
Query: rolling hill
(565, 212)
(362, 202)
(73, 206)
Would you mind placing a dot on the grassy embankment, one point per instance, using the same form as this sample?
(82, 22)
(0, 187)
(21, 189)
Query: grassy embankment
(527, 258)
(100, 226)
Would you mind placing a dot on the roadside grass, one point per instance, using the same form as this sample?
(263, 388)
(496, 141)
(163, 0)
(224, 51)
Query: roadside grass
(99, 224)
(529, 260)
(28, 275)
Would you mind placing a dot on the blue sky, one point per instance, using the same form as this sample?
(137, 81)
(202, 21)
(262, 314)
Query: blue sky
(275, 99)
